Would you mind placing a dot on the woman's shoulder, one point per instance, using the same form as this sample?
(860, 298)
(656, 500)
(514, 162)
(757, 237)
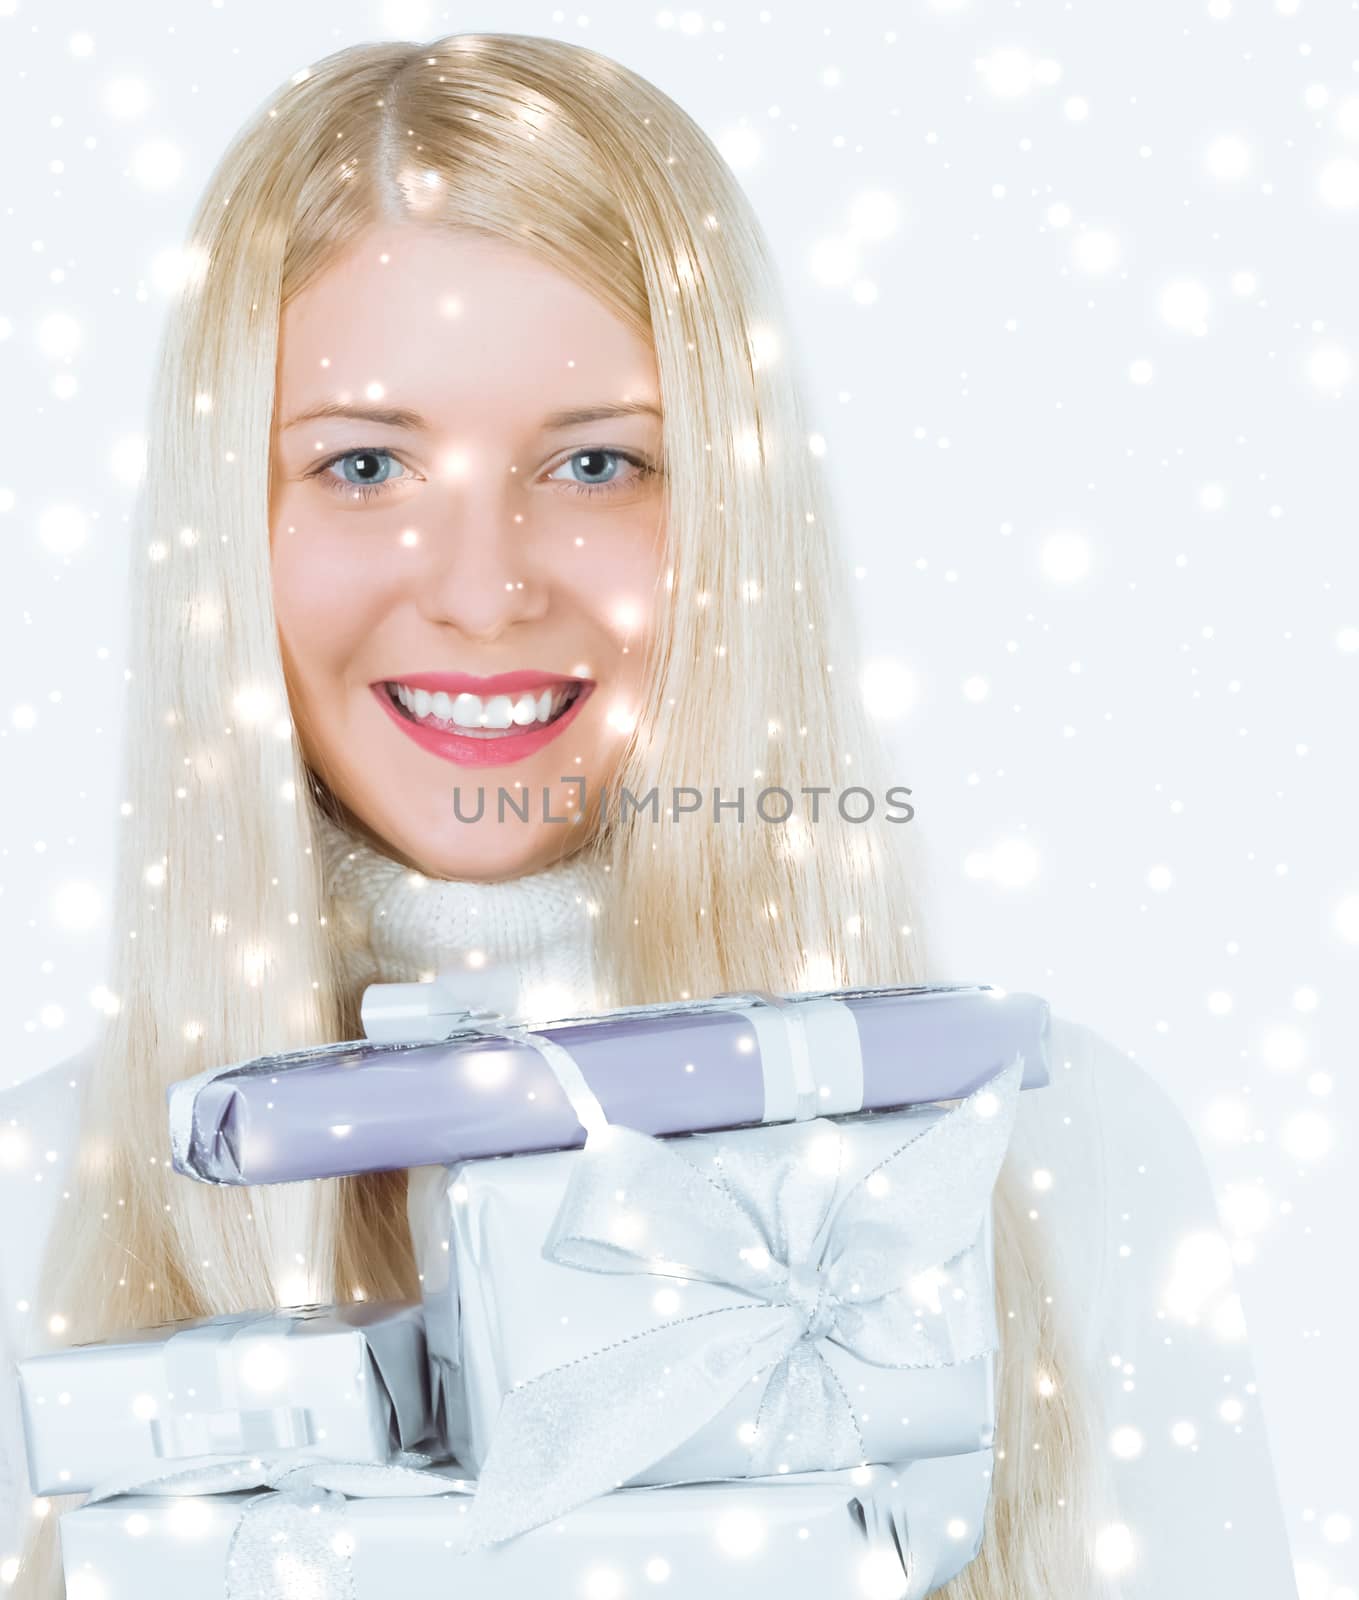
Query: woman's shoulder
(39, 1129)
(1093, 1081)
(1165, 1331)
(1137, 1130)
(1115, 1166)
(40, 1117)
(40, 1114)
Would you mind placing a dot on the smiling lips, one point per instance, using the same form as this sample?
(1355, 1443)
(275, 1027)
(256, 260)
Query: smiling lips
(483, 721)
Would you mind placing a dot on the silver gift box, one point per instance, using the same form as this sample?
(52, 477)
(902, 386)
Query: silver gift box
(892, 1532)
(498, 1313)
(347, 1382)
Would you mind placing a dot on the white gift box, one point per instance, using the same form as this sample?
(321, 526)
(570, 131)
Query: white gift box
(625, 1347)
(350, 1382)
(891, 1532)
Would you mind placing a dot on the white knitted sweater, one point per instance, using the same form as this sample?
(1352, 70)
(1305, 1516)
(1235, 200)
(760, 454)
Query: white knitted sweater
(408, 927)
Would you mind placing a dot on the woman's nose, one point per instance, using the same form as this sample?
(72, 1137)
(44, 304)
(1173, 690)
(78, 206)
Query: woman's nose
(480, 574)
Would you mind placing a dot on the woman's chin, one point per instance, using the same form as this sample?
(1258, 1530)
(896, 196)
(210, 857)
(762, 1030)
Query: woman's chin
(485, 856)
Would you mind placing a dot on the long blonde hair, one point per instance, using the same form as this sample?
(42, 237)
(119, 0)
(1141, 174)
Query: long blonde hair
(224, 948)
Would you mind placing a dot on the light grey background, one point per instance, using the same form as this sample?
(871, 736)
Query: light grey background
(1086, 384)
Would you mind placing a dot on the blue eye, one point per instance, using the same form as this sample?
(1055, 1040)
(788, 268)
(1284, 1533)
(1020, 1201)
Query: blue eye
(601, 471)
(365, 462)
(373, 460)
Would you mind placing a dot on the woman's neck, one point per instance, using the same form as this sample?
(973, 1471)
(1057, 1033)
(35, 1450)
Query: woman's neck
(395, 925)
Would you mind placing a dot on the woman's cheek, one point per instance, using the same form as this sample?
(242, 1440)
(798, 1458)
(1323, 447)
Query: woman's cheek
(619, 577)
(324, 592)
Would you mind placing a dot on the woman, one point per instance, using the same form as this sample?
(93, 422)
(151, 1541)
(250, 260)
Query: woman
(581, 463)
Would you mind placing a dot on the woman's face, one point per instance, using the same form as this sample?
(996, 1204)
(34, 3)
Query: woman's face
(466, 546)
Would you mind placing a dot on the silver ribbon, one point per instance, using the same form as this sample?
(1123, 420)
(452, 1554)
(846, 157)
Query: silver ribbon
(404, 1012)
(236, 1382)
(789, 1034)
(295, 1538)
(792, 1090)
(211, 1415)
(761, 1219)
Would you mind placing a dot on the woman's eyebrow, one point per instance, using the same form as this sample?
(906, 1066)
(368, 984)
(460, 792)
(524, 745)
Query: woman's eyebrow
(398, 417)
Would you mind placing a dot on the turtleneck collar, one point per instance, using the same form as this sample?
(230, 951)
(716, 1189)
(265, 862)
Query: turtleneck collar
(399, 926)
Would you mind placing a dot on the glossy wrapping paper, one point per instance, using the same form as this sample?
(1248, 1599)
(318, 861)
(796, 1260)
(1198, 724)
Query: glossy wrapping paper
(899, 1531)
(487, 1090)
(654, 1310)
(348, 1381)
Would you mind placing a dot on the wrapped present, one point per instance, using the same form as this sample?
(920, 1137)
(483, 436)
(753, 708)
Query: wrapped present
(334, 1532)
(349, 1381)
(803, 1296)
(488, 1087)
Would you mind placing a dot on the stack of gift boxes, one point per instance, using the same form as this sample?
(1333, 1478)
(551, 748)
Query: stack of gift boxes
(708, 1307)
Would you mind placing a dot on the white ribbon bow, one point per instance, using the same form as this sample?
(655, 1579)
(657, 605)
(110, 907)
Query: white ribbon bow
(760, 1219)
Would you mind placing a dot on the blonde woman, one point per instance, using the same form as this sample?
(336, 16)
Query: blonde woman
(477, 461)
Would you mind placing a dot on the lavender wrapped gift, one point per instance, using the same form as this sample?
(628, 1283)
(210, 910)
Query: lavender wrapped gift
(349, 1381)
(487, 1087)
(897, 1532)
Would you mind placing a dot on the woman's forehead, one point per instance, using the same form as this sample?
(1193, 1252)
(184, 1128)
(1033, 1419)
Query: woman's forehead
(445, 319)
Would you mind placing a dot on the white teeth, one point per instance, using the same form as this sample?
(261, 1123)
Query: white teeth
(467, 711)
(497, 712)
